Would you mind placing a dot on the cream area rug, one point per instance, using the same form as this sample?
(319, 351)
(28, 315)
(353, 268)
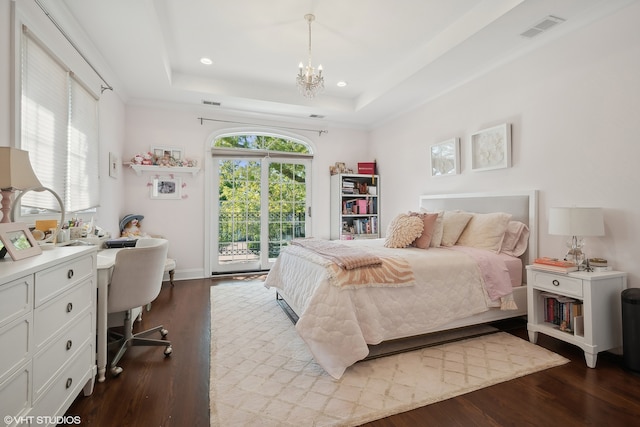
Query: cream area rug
(263, 375)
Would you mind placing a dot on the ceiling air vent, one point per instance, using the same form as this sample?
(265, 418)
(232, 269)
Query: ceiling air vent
(316, 116)
(547, 23)
(205, 102)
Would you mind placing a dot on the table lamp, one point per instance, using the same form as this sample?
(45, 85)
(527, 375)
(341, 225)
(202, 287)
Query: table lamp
(16, 173)
(576, 222)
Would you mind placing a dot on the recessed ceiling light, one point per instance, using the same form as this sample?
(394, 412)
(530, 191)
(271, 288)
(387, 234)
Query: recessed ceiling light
(342, 84)
(206, 61)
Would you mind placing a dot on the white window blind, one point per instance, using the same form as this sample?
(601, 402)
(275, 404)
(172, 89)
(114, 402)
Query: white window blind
(59, 129)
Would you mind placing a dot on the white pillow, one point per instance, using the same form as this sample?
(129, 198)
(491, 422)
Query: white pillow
(485, 231)
(403, 230)
(453, 224)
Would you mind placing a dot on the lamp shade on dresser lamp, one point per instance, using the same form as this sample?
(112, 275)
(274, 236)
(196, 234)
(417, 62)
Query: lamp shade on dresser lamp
(576, 222)
(16, 173)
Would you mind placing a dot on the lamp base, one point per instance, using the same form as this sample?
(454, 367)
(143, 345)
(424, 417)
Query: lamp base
(6, 205)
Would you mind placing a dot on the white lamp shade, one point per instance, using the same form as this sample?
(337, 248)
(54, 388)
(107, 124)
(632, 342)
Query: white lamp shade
(576, 221)
(15, 170)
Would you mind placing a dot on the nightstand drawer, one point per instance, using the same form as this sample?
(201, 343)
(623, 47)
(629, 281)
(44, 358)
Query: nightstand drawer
(557, 283)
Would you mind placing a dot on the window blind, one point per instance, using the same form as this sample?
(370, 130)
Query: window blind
(59, 129)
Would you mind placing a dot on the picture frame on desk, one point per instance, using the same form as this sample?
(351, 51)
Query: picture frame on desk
(18, 241)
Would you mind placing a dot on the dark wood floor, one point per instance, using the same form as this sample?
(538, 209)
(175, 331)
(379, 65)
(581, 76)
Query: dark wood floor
(173, 391)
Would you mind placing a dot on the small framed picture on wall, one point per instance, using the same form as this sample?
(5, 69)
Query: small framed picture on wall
(166, 188)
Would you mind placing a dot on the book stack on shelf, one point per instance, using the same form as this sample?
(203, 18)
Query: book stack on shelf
(563, 312)
(348, 187)
(555, 264)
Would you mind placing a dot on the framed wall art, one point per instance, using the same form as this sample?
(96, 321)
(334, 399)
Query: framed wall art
(166, 188)
(491, 148)
(445, 158)
(17, 240)
(114, 166)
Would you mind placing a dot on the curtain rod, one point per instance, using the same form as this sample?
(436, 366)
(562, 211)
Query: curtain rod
(46, 12)
(320, 131)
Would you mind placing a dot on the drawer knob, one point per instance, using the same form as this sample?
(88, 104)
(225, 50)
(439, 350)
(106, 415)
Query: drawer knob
(69, 307)
(69, 344)
(69, 382)
(555, 282)
(70, 274)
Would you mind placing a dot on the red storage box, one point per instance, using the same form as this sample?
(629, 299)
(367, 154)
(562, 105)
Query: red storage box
(367, 168)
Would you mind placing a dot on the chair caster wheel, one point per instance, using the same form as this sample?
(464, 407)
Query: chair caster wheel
(168, 350)
(116, 370)
(164, 332)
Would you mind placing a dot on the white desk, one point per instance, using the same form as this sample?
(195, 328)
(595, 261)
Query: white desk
(106, 261)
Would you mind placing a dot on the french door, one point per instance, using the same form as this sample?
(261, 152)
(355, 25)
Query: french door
(262, 203)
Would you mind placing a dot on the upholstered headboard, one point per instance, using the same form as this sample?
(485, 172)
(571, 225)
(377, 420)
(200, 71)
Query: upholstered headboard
(522, 205)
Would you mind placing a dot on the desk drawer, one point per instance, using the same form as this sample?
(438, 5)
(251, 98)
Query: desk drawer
(56, 280)
(52, 316)
(59, 352)
(559, 283)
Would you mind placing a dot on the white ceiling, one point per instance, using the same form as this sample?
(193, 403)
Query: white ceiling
(395, 55)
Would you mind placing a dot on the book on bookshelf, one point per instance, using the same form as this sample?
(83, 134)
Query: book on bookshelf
(563, 312)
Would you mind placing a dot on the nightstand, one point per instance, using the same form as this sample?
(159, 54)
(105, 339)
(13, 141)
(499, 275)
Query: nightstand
(598, 293)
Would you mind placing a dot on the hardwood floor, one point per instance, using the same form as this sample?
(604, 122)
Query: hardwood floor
(174, 391)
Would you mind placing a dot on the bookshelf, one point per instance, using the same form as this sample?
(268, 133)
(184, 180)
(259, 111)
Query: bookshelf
(579, 307)
(355, 206)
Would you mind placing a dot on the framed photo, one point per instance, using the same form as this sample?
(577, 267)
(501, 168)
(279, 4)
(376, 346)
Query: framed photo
(166, 188)
(167, 152)
(17, 240)
(445, 158)
(491, 148)
(114, 167)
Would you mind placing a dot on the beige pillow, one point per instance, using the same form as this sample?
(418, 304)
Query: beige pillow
(453, 224)
(485, 231)
(403, 230)
(516, 239)
(429, 221)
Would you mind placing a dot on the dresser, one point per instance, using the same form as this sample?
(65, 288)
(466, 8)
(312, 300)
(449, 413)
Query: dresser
(595, 327)
(47, 334)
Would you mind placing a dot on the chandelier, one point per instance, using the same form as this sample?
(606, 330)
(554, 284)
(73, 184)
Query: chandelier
(309, 83)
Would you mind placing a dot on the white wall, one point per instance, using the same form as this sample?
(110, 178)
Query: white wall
(573, 106)
(183, 222)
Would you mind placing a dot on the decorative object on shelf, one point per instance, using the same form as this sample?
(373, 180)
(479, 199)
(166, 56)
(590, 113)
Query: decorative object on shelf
(339, 167)
(169, 157)
(491, 148)
(445, 158)
(309, 83)
(18, 241)
(16, 173)
(166, 188)
(577, 222)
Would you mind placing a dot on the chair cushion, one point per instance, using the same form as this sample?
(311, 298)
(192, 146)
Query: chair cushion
(170, 264)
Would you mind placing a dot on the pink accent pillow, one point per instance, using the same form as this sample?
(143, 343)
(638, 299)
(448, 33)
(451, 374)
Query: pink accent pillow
(429, 219)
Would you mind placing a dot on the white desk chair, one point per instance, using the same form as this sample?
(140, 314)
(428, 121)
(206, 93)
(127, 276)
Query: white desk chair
(136, 281)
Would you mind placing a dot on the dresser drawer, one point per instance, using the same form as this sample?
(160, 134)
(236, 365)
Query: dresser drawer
(52, 316)
(56, 280)
(15, 348)
(15, 299)
(66, 386)
(15, 399)
(47, 362)
(557, 283)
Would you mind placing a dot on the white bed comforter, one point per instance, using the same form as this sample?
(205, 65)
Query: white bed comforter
(337, 324)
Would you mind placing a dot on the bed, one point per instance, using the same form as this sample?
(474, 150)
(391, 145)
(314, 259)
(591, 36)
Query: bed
(342, 310)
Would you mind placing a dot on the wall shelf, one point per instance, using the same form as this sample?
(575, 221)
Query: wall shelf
(161, 169)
